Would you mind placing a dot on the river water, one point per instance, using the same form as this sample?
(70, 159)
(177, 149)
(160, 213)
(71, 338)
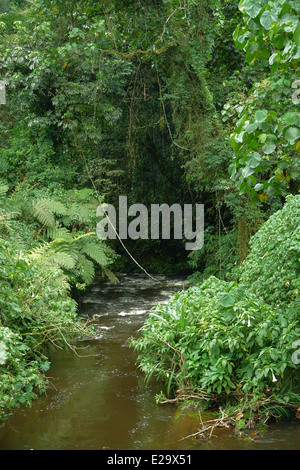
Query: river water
(99, 400)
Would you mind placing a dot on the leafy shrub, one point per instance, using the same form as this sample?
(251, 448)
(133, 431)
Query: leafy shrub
(218, 337)
(272, 268)
(21, 380)
(36, 314)
(34, 300)
(46, 245)
(223, 336)
(265, 140)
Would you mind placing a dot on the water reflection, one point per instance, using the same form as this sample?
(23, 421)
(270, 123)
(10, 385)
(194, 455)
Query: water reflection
(100, 401)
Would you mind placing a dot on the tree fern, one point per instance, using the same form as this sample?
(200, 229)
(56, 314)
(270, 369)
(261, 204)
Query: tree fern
(44, 210)
(110, 275)
(64, 260)
(58, 232)
(72, 255)
(66, 239)
(3, 190)
(95, 251)
(76, 251)
(86, 268)
(43, 214)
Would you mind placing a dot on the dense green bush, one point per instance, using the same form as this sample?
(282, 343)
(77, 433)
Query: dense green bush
(222, 337)
(46, 247)
(21, 380)
(36, 314)
(218, 337)
(272, 268)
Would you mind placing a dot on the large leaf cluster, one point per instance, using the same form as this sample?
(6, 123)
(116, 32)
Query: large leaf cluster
(46, 247)
(227, 337)
(266, 136)
(272, 268)
(218, 337)
(21, 380)
(36, 313)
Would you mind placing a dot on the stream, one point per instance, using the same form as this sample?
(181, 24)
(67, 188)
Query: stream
(99, 400)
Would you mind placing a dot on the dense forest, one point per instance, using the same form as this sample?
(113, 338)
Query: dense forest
(166, 102)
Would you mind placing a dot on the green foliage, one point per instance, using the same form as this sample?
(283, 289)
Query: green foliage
(267, 131)
(21, 380)
(219, 337)
(115, 96)
(62, 224)
(272, 267)
(124, 97)
(46, 248)
(36, 313)
(218, 256)
(270, 30)
(222, 337)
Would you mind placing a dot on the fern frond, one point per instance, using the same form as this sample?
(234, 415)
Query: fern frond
(56, 207)
(3, 189)
(40, 252)
(82, 213)
(89, 234)
(110, 275)
(93, 250)
(45, 209)
(87, 270)
(43, 214)
(59, 233)
(49, 252)
(64, 260)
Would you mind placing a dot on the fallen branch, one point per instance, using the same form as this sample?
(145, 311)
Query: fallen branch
(232, 418)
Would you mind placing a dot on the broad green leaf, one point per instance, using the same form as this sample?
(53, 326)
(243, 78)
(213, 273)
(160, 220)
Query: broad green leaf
(273, 57)
(263, 138)
(258, 187)
(239, 137)
(232, 169)
(248, 171)
(291, 118)
(254, 160)
(228, 300)
(297, 35)
(269, 147)
(296, 55)
(280, 40)
(236, 32)
(292, 134)
(261, 115)
(252, 53)
(251, 127)
(241, 42)
(252, 8)
(267, 18)
(291, 21)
